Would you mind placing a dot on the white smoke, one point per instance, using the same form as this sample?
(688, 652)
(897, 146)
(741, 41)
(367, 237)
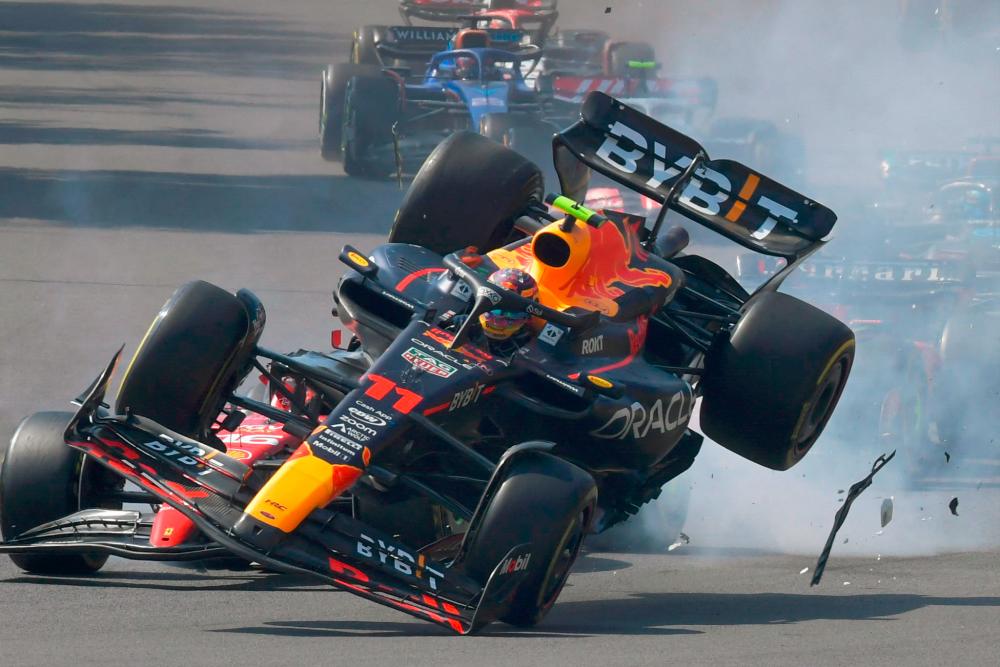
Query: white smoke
(852, 79)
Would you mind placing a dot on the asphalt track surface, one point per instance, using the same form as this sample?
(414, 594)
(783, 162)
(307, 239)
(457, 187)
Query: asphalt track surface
(145, 144)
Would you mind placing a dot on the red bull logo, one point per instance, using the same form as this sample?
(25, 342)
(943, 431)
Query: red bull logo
(607, 272)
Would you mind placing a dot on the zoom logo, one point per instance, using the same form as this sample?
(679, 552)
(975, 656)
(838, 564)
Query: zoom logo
(366, 417)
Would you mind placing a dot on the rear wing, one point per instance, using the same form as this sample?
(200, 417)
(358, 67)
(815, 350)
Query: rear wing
(674, 170)
(439, 10)
(864, 275)
(460, 10)
(419, 43)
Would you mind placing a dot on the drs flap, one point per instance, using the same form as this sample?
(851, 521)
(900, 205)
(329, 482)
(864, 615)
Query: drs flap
(725, 196)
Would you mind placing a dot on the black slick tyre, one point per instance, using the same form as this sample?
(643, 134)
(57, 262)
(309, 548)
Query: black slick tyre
(496, 185)
(43, 479)
(195, 353)
(371, 107)
(770, 388)
(547, 502)
(333, 88)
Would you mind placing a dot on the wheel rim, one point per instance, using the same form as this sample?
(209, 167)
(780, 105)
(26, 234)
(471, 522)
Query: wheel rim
(821, 407)
(562, 562)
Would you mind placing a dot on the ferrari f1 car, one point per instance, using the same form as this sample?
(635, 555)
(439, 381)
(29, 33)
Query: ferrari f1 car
(475, 465)
(534, 17)
(929, 327)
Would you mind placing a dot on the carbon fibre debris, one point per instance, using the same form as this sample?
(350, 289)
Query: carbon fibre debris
(841, 516)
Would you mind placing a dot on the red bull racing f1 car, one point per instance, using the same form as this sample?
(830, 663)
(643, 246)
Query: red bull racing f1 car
(516, 379)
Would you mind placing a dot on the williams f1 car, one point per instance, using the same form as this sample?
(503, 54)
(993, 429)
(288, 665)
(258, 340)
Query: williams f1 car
(515, 381)
(391, 125)
(452, 91)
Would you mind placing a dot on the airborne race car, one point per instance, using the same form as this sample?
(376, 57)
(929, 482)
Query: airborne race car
(517, 448)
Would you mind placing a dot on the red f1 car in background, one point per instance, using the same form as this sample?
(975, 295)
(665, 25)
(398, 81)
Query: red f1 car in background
(536, 18)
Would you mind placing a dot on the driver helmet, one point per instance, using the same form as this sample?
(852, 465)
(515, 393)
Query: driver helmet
(502, 324)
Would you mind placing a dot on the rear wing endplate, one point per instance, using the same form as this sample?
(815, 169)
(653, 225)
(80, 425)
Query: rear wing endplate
(653, 159)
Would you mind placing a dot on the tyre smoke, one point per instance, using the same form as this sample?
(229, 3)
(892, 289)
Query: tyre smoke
(854, 81)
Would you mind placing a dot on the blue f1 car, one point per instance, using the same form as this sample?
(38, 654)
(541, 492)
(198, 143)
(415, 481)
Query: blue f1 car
(389, 123)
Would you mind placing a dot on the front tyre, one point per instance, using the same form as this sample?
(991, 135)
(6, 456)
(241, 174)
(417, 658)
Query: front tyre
(333, 89)
(43, 479)
(371, 107)
(496, 185)
(196, 352)
(546, 502)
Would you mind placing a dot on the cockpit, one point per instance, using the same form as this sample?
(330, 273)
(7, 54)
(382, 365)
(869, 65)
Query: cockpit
(475, 65)
(594, 267)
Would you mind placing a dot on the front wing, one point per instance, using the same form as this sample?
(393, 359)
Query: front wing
(211, 489)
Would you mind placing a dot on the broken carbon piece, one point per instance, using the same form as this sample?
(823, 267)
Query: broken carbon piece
(838, 520)
(681, 540)
(953, 506)
(885, 514)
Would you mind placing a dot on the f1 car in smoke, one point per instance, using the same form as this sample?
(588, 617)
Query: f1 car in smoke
(514, 382)
(688, 103)
(965, 215)
(390, 124)
(911, 177)
(927, 332)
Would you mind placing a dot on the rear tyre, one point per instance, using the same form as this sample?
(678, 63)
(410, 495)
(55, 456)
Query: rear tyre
(496, 184)
(371, 107)
(547, 502)
(331, 109)
(196, 352)
(43, 479)
(769, 390)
